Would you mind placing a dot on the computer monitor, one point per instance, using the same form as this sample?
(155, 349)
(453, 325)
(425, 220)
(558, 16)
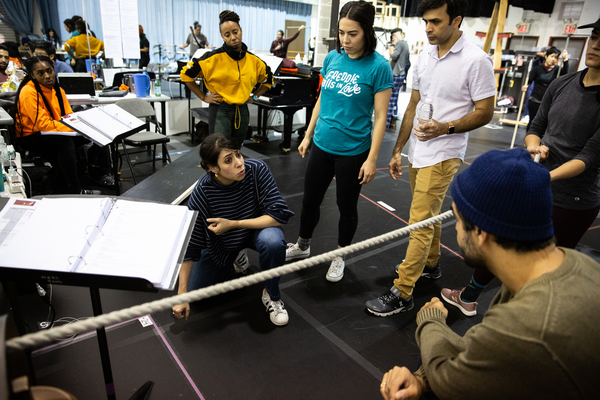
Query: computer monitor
(77, 83)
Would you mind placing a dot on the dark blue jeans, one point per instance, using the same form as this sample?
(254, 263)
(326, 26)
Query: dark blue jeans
(270, 244)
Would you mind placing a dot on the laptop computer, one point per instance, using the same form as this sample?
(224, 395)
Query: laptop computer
(77, 83)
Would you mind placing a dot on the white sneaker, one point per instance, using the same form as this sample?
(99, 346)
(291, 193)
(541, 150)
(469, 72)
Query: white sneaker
(293, 252)
(241, 262)
(525, 119)
(277, 312)
(336, 270)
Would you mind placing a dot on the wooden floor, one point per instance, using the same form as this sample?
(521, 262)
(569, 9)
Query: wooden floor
(331, 348)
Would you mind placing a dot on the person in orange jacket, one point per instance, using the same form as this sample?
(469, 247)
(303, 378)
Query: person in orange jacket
(40, 104)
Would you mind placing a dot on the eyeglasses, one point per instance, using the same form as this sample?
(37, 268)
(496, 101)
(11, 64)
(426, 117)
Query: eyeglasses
(36, 54)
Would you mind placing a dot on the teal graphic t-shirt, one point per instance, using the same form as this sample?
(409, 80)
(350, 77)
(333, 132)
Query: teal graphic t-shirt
(347, 101)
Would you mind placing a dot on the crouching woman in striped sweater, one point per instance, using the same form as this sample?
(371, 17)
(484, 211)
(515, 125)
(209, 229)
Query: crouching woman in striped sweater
(239, 207)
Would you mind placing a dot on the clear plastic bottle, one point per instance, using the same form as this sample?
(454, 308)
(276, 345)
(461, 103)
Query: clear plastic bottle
(157, 88)
(1, 177)
(426, 112)
(3, 151)
(3, 161)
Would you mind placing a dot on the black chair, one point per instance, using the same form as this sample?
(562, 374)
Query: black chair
(142, 109)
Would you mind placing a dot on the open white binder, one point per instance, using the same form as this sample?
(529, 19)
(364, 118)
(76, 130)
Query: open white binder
(102, 125)
(100, 236)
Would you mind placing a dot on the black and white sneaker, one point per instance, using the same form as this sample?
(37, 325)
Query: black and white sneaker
(277, 312)
(241, 262)
(389, 304)
(434, 272)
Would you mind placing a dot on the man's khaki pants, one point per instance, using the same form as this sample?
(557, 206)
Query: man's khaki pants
(429, 186)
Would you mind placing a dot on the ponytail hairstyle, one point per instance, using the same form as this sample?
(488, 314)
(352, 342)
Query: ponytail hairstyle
(211, 147)
(363, 13)
(70, 25)
(228, 15)
(30, 64)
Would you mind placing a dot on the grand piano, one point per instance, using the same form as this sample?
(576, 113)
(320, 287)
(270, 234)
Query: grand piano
(291, 92)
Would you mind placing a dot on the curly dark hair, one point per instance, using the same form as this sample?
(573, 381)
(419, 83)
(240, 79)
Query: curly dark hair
(228, 15)
(363, 13)
(211, 147)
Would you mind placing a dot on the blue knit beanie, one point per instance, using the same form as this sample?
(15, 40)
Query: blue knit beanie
(506, 194)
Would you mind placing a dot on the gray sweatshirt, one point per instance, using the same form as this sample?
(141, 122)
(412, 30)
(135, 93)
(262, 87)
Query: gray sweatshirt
(399, 57)
(541, 343)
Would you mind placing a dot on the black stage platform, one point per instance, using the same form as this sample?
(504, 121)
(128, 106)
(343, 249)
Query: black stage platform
(331, 348)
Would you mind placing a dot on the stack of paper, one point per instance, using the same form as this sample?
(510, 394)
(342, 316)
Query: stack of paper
(96, 236)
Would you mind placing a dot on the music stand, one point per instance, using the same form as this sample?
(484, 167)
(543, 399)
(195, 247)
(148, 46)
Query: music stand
(95, 283)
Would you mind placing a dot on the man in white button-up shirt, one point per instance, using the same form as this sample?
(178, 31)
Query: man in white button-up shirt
(458, 77)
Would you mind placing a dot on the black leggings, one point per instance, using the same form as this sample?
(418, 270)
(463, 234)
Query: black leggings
(320, 170)
(571, 225)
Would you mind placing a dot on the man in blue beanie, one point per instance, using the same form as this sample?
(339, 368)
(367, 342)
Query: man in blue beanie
(539, 338)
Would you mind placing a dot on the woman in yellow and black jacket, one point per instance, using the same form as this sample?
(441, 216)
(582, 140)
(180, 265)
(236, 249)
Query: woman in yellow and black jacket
(230, 73)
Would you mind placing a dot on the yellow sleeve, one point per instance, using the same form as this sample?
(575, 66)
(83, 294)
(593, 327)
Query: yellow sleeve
(191, 71)
(265, 76)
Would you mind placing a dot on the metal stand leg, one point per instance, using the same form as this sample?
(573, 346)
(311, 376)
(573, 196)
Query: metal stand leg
(11, 290)
(103, 345)
(115, 154)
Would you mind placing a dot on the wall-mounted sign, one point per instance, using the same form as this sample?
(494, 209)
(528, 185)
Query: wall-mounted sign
(570, 29)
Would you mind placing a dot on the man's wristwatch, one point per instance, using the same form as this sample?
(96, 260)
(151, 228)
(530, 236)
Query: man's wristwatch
(450, 128)
(254, 97)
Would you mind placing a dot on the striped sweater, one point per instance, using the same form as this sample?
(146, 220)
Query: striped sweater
(255, 195)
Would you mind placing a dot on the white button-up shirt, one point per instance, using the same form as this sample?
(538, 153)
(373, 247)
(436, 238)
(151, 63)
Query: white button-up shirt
(454, 83)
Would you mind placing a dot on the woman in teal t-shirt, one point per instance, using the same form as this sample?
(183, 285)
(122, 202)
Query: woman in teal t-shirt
(356, 81)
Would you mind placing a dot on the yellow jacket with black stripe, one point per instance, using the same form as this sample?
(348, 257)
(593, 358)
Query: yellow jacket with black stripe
(230, 73)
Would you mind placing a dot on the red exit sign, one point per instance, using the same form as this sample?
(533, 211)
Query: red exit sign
(523, 28)
(570, 29)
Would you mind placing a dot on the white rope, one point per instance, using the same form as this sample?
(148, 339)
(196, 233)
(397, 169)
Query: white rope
(48, 336)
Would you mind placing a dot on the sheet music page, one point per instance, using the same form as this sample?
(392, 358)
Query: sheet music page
(111, 125)
(130, 36)
(13, 219)
(272, 61)
(73, 122)
(118, 113)
(139, 240)
(54, 234)
(111, 28)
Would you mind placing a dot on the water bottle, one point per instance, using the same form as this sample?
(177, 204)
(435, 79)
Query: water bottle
(3, 161)
(1, 177)
(425, 112)
(145, 72)
(3, 151)
(157, 88)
